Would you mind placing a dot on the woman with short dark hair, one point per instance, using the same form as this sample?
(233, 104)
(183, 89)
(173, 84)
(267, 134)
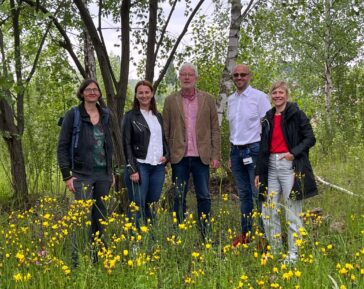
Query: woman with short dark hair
(85, 152)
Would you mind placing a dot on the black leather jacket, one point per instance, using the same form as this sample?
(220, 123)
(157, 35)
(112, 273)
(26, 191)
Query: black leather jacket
(136, 136)
(299, 137)
(83, 155)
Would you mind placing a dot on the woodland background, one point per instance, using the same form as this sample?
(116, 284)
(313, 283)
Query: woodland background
(48, 47)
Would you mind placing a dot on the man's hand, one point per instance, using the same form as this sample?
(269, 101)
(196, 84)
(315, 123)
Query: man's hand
(214, 164)
(113, 181)
(256, 182)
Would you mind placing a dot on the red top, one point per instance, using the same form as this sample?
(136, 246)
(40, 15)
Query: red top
(278, 144)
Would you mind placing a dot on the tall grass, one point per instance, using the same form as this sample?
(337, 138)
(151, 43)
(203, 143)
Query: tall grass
(36, 244)
(36, 250)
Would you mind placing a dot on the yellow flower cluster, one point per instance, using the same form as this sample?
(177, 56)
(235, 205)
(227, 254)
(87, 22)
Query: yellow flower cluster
(18, 277)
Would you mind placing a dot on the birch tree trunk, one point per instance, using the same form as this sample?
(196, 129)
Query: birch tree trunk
(89, 54)
(328, 63)
(232, 54)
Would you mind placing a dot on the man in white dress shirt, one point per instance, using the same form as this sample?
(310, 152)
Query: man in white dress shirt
(246, 107)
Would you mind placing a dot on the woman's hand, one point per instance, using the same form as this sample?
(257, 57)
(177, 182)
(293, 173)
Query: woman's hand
(69, 184)
(288, 156)
(113, 181)
(163, 160)
(135, 177)
(256, 182)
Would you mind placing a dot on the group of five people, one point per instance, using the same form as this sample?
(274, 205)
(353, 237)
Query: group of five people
(268, 152)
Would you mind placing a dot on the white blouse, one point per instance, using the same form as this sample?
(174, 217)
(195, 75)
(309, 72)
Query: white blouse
(155, 146)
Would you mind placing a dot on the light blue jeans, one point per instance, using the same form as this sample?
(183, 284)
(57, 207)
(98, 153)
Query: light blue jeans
(280, 183)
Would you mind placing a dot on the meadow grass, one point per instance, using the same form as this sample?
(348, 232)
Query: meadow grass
(36, 245)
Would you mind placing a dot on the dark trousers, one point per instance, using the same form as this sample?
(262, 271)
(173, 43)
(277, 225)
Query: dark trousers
(201, 175)
(92, 187)
(244, 175)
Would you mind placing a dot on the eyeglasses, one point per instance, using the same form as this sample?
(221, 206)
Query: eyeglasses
(187, 74)
(240, 74)
(92, 90)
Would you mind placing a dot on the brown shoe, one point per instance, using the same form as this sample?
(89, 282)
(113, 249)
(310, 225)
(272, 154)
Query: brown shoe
(241, 239)
(262, 245)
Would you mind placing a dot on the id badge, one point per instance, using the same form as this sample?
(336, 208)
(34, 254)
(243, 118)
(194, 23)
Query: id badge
(247, 161)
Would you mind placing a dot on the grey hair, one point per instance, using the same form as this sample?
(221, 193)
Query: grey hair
(189, 65)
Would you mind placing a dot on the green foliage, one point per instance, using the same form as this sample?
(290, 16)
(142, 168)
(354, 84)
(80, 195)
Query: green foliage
(50, 95)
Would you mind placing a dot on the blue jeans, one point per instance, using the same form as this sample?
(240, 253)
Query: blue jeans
(147, 191)
(201, 175)
(244, 176)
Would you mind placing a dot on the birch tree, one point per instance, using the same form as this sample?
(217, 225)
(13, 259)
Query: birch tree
(236, 18)
(320, 38)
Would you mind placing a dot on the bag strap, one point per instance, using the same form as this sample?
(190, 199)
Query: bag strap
(75, 131)
(106, 113)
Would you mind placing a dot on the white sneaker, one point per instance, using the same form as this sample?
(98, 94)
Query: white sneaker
(291, 258)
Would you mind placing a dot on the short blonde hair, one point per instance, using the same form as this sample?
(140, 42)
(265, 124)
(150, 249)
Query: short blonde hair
(281, 84)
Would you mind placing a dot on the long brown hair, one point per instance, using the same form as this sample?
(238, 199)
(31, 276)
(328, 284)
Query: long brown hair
(136, 105)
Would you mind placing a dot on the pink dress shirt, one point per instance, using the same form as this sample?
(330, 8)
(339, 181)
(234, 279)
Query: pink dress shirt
(190, 108)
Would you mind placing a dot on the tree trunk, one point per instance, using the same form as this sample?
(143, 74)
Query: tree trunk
(125, 56)
(149, 70)
(13, 141)
(232, 54)
(328, 91)
(89, 53)
(108, 79)
(18, 173)
(328, 66)
(12, 117)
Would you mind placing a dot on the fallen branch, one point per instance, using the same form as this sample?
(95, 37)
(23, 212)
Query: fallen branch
(337, 187)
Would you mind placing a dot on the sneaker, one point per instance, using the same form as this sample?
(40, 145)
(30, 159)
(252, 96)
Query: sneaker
(262, 245)
(241, 239)
(291, 258)
(134, 250)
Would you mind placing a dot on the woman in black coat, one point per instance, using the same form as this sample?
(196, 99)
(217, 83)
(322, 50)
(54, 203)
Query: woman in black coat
(85, 154)
(283, 174)
(146, 153)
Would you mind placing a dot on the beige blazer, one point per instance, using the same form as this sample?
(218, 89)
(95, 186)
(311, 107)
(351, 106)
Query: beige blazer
(207, 128)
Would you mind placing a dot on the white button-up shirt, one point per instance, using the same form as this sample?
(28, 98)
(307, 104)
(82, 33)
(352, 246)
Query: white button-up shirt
(155, 146)
(244, 113)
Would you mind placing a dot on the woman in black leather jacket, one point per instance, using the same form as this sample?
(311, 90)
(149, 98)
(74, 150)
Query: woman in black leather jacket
(283, 173)
(87, 166)
(146, 152)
